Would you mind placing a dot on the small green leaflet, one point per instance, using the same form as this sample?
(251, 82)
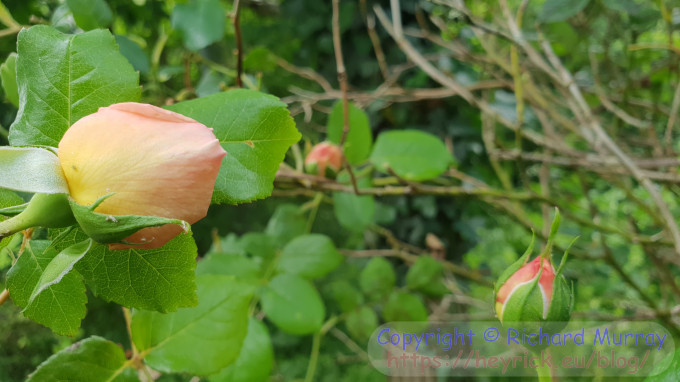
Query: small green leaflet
(359, 138)
(44, 283)
(201, 22)
(8, 74)
(310, 256)
(411, 154)
(293, 304)
(201, 340)
(94, 359)
(256, 360)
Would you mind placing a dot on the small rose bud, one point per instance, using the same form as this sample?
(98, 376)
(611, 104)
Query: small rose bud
(325, 159)
(155, 163)
(535, 291)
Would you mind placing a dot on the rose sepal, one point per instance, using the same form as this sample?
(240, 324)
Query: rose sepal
(109, 229)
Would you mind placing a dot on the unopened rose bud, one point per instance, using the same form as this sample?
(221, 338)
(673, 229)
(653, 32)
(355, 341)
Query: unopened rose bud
(535, 291)
(325, 159)
(153, 161)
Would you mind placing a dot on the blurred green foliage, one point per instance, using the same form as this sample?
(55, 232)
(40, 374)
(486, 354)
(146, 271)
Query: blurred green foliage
(625, 49)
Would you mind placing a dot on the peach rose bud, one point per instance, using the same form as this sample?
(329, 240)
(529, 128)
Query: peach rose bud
(324, 156)
(155, 162)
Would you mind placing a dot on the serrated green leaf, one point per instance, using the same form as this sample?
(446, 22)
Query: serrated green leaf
(359, 138)
(59, 303)
(425, 271)
(361, 323)
(114, 229)
(63, 78)
(201, 22)
(94, 359)
(354, 212)
(8, 74)
(411, 154)
(160, 279)
(377, 279)
(311, 256)
(256, 360)
(293, 305)
(255, 129)
(403, 306)
(560, 10)
(201, 340)
(90, 14)
(31, 169)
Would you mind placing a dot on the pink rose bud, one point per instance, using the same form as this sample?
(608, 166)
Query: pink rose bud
(324, 156)
(155, 162)
(524, 276)
(535, 293)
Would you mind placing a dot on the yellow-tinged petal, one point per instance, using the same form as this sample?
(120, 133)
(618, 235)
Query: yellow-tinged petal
(155, 162)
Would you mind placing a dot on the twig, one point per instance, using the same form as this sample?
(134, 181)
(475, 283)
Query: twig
(342, 73)
(612, 147)
(668, 138)
(236, 17)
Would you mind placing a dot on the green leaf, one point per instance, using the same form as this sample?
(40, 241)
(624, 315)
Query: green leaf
(403, 306)
(346, 295)
(293, 305)
(201, 340)
(90, 14)
(359, 138)
(134, 53)
(411, 154)
(361, 323)
(667, 370)
(256, 360)
(160, 279)
(31, 169)
(93, 359)
(255, 129)
(354, 212)
(201, 22)
(229, 264)
(560, 10)
(310, 256)
(259, 244)
(59, 267)
(425, 271)
(44, 284)
(8, 74)
(63, 78)
(377, 278)
(114, 229)
(286, 224)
